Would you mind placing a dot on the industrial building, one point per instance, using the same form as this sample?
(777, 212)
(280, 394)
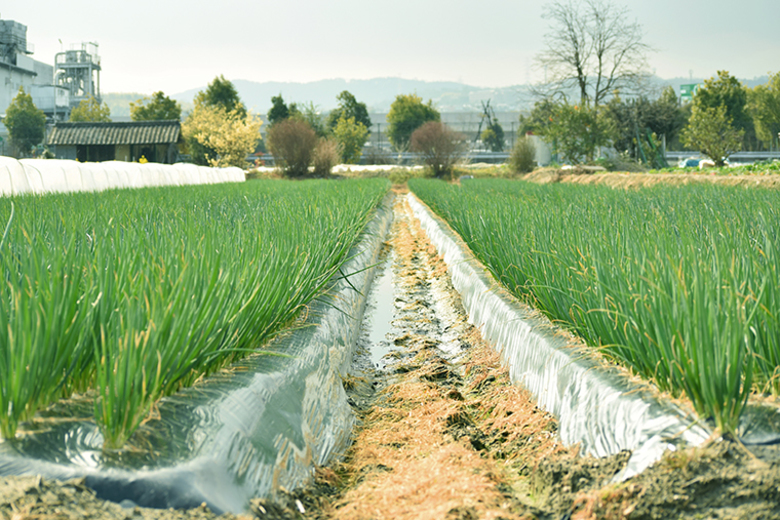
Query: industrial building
(18, 69)
(55, 89)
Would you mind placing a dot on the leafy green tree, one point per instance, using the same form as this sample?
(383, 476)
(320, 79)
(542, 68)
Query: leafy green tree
(407, 114)
(668, 117)
(351, 136)
(311, 114)
(576, 132)
(538, 119)
(633, 119)
(222, 92)
(493, 137)
(711, 132)
(493, 134)
(764, 106)
(25, 122)
(224, 138)
(91, 110)
(278, 111)
(726, 90)
(349, 107)
(157, 108)
(218, 110)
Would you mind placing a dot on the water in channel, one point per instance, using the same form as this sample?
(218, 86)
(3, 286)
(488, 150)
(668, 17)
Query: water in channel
(380, 311)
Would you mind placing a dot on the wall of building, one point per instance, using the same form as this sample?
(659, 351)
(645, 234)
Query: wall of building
(11, 78)
(51, 100)
(64, 152)
(18, 69)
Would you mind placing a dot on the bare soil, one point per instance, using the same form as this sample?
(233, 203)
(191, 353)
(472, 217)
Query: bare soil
(634, 180)
(444, 434)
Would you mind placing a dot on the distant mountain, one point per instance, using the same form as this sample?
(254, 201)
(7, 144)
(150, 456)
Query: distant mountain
(379, 93)
(119, 104)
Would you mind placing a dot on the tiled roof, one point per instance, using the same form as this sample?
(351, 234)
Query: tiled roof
(126, 132)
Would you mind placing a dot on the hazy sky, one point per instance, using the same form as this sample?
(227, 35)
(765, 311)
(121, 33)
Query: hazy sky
(175, 45)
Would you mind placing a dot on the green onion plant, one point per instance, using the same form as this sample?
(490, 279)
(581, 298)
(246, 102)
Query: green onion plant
(129, 294)
(678, 283)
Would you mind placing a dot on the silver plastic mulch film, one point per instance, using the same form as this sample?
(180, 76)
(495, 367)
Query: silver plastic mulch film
(595, 406)
(242, 433)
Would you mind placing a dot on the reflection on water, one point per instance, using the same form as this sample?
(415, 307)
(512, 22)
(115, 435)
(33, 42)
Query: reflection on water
(380, 311)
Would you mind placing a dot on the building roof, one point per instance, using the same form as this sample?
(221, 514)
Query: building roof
(113, 133)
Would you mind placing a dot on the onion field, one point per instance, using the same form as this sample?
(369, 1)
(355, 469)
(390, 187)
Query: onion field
(127, 295)
(681, 284)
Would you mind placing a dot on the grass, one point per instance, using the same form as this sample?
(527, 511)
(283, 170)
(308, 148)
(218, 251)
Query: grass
(681, 283)
(130, 294)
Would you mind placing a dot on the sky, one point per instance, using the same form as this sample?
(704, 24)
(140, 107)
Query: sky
(176, 45)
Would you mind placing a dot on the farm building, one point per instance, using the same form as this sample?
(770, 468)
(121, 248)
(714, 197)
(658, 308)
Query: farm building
(157, 141)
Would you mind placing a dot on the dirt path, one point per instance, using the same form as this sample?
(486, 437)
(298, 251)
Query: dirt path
(446, 424)
(443, 434)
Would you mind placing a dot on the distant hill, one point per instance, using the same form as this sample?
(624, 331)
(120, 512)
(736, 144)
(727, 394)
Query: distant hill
(378, 94)
(119, 103)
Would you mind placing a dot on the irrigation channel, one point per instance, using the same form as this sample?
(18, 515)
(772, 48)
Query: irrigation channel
(443, 432)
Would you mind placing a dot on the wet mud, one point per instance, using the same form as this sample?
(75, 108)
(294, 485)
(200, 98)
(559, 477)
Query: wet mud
(443, 434)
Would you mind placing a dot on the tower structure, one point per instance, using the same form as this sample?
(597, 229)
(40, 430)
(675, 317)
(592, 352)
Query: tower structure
(13, 41)
(78, 70)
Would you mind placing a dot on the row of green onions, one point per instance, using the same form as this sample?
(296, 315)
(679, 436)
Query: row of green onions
(681, 284)
(127, 295)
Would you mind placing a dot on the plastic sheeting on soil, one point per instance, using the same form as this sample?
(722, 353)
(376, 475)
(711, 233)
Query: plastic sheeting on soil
(242, 433)
(596, 407)
(38, 176)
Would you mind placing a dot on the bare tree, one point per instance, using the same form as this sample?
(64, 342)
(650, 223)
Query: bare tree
(592, 48)
(440, 148)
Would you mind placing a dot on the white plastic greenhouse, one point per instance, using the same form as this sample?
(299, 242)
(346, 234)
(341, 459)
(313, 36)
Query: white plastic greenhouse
(55, 175)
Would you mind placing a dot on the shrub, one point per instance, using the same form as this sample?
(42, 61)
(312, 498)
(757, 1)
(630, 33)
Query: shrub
(292, 143)
(522, 158)
(439, 146)
(351, 136)
(620, 162)
(326, 156)
(711, 132)
(407, 114)
(402, 174)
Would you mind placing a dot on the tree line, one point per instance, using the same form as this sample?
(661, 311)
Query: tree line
(723, 117)
(595, 95)
(220, 131)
